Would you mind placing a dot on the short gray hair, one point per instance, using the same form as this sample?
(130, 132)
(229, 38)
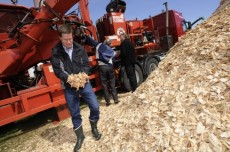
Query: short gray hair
(108, 41)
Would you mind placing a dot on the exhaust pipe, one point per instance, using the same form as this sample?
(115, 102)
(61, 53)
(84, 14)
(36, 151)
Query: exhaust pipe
(167, 18)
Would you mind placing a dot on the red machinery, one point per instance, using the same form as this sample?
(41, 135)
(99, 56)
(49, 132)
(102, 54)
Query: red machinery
(27, 36)
(26, 39)
(153, 36)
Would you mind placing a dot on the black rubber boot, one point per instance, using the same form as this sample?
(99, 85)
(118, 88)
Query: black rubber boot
(116, 102)
(115, 97)
(107, 104)
(107, 100)
(80, 138)
(94, 129)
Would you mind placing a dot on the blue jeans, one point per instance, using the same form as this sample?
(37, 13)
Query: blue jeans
(73, 102)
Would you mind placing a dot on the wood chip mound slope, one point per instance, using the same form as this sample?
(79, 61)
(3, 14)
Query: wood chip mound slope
(183, 105)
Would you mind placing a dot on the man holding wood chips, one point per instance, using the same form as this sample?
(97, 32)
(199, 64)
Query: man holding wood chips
(71, 65)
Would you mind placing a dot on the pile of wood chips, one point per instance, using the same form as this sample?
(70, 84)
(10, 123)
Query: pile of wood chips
(184, 105)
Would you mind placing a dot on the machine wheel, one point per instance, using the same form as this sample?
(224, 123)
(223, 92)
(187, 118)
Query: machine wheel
(125, 81)
(151, 65)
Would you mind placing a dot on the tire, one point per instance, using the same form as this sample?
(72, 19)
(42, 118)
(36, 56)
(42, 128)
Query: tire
(125, 81)
(151, 65)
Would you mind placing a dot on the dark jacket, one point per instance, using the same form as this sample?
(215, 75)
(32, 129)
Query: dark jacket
(127, 53)
(63, 66)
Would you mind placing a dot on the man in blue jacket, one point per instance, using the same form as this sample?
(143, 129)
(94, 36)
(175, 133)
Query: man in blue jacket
(105, 55)
(68, 58)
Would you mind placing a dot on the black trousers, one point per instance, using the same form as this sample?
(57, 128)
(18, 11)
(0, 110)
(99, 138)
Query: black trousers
(108, 82)
(130, 71)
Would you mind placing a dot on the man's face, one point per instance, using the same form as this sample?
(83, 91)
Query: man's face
(122, 37)
(67, 40)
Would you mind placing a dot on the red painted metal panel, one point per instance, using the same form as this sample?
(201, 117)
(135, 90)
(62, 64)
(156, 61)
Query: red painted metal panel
(6, 111)
(9, 100)
(58, 95)
(31, 112)
(62, 112)
(10, 110)
(49, 75)
(175, 22)
(39, 100)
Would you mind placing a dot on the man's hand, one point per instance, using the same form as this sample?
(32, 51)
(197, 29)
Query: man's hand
(77, 80)
(70, 78)
(118, 53)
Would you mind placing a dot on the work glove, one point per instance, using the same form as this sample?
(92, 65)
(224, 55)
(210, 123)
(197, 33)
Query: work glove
(77, 80)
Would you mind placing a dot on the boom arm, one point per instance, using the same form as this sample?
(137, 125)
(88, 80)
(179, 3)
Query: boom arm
(201, 18)
(189, 24)
(15, 59)
(83, 4)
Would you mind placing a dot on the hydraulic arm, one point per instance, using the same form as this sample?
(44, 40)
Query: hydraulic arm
(27, 50)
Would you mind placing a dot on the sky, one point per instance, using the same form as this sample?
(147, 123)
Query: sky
(141, 9)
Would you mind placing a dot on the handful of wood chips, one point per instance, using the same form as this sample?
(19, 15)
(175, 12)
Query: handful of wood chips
(77, 80)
